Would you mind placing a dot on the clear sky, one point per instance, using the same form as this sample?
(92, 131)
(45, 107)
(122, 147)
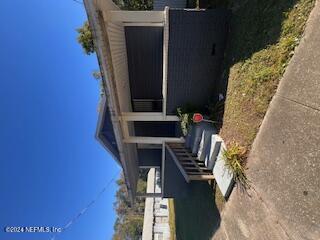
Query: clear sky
(51, 166)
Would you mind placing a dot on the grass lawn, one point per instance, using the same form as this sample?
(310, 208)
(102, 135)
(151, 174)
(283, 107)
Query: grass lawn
(218, 198)
(172, 220)
(262, 39)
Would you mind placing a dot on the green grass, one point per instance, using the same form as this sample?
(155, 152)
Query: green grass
(172, 220)
(261, 43)
(219, 199)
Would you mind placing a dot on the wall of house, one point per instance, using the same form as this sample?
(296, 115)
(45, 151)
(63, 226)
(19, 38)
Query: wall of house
(161, 4)
(197, 41)
(155, 129)
(149, 157)
(145, 54)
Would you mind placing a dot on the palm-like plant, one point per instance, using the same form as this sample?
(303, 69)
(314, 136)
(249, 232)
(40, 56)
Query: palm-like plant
(234, 158)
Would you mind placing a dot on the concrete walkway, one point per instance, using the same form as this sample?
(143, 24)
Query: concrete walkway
(284, 164)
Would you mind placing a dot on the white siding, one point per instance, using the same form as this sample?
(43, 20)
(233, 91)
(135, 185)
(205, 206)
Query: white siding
(118, 49)
(160, 4)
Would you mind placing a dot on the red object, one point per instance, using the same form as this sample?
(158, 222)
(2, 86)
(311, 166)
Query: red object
(197, 117)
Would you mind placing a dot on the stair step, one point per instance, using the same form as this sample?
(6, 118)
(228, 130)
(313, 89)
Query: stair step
(198, 173)
(191, 168)
(193, 137)
(201, 177)
(180, 150)
(183, 154)
(212, 154)
(187, 163)
(178, 147)
(224, 177)
(205, 144)
(189, 137)
(190, 159)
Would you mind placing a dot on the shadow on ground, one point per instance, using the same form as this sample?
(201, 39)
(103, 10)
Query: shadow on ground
(255, 24)
(197, 216)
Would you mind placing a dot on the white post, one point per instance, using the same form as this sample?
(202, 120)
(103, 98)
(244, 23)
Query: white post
(149, 195)
(134, 16)
(163, 161)
(153, 140)
(125, 129)
(147, 116)
(165, 60)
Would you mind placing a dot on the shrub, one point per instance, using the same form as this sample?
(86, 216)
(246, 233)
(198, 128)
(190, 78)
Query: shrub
(185, 121)
(185, 113)
(234, 158)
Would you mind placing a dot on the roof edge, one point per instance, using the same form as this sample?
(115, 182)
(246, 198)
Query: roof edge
(107, 76)
(99, 134)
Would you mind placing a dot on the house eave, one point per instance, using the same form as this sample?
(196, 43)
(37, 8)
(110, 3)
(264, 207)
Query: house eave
(103, 53)
(99, 131)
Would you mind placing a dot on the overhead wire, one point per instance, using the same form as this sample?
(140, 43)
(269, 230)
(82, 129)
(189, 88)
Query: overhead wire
(85, 209)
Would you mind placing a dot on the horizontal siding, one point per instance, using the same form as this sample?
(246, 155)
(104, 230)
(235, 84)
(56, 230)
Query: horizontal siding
(118, 49)
(150, 157)
(197, 42)
(155, 129)
(144, 50)
(161, 4)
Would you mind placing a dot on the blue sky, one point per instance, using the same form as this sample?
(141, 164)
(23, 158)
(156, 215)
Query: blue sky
(51, 164)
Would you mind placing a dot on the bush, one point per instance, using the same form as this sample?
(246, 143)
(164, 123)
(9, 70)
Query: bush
(234, 158)
(185, 113)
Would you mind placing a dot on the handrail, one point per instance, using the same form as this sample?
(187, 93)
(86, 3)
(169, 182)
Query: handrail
(185, 175)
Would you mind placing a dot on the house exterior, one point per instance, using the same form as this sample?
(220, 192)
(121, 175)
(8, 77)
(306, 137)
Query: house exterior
(161, 4)
(153, 62)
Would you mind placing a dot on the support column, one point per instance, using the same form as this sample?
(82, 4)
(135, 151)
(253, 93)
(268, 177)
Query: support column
(153, 140)
(149, 195)
(147, 116)
(134, 16)
(165, 61)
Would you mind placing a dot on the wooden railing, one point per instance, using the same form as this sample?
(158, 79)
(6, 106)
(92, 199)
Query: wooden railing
(191, 168)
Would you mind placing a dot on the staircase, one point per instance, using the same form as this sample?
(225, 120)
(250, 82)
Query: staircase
(200, 158)
(196, 157)
(191, 168)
